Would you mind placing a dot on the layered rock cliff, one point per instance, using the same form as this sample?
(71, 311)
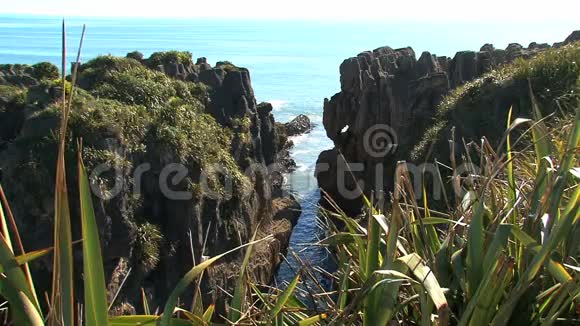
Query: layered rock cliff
(389, 100)
(182, 161)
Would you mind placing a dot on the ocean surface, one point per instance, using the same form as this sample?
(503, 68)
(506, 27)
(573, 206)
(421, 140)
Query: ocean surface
(293, 64)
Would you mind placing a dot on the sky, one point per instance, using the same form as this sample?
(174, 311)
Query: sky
(398, 10)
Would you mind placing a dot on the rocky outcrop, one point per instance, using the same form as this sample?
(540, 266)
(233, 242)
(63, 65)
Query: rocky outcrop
(387, 101)
(158, 237)
(299, 125)
(574, 37)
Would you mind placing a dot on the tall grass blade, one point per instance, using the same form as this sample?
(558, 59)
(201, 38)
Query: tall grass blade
(510, 172)
(372, 258)
(22, 309)
(475, 249)
(426, 277)
(558, 235)
(189, 278)
(284, 297)
(95, 286)
(4, 206)
(62, 285)
(312, 320)
(380, 312)
(237, 302)
(14, 282)
(145, 302)
(344, 266)
(4, 226)
(208, 314)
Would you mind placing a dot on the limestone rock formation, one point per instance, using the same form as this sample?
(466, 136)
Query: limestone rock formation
(141, 121)
(387, 101)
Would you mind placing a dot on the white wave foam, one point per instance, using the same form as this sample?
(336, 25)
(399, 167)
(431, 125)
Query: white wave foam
(299, 139)
(304, 151)
(277, 104)
(316, 118)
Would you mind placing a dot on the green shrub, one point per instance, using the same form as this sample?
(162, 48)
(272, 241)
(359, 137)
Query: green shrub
(13, 94)
(147, 246)
(136, 55)
(45, 70)
(137, 86)
(196, 139)
(168, 57)
(12, 104)
(227, 66)
(94, 119)
(99, 68)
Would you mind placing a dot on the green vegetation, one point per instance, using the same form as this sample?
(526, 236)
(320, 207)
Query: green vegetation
(554, 75)
(149, 113)
(139, 86)
(149, 240)
(96, 70)
(136, 55)
(227, 66)
(12, 103)
(163, 58)
(45, 70)
(13, 94)
(487, 261)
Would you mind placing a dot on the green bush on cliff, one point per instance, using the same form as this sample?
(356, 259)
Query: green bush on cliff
(137, 86)
(147, 245)
(97, 69)
(136, 55)
(227, 66)
(152, 89)
(167, 57)
(553, 74)
(12, 95)
(195, 137)
(13, 101)
(45, 70)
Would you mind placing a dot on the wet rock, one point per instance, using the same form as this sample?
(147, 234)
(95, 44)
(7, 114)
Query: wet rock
(299, 125)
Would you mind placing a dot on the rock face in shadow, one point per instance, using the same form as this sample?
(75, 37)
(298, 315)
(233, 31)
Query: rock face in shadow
(387, 101)
(156, 236)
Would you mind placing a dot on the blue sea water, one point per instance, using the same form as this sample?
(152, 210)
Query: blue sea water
(293, 64)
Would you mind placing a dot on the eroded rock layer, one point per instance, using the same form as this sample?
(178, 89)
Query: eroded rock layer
(389, 99)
